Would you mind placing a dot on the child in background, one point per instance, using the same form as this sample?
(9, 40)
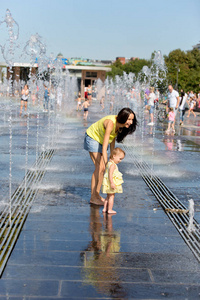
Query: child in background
(171, 119)
(85, 106)
(192, 104)
(112, 181)
(79, 102)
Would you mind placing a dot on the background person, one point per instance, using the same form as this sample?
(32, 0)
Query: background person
(46, 98)
(85, 106)
(171, 118)
(191, 103)
(24, 98)
(173, 100)
(151, 98)
(182, 104)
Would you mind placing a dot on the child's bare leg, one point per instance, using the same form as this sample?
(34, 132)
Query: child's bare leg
(105, 205)
(193, 113)
(21, 107)
(110, 204)
(25, 105)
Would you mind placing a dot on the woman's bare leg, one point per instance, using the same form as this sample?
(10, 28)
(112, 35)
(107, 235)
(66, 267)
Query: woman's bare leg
(97, 178)
(151, 117)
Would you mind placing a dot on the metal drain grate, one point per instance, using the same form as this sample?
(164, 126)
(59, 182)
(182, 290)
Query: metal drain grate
(15, 213)
(175, 210)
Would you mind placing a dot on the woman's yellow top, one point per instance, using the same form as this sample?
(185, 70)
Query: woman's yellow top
(97, 130)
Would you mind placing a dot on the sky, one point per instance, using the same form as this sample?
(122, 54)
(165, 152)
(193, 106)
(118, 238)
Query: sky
(105, 29)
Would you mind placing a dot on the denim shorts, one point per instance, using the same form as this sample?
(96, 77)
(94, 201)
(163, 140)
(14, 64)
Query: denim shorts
(91, 145)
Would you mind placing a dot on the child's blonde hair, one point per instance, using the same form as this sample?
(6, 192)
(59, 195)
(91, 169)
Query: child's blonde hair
(151, 89)
(116, 151)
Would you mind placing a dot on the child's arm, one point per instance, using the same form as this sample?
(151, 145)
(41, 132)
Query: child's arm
(111, 170)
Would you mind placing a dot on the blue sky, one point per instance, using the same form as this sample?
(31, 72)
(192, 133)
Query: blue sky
(105, 29)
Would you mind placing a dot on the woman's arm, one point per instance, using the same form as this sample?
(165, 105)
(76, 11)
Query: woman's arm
(108, 124)
(111, 170)
(112, 145)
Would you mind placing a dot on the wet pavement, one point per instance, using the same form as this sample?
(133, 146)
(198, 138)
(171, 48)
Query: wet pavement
(68, 249)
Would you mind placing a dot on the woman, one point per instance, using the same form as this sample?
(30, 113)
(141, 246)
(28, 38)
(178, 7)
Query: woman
(24, 98)
(97, 138)
(89, 93)
(182, 104)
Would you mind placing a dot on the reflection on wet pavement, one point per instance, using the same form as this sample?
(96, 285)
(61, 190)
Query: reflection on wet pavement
(69, 249)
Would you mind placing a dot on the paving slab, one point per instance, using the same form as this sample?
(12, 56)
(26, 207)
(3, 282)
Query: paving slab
(69, 249)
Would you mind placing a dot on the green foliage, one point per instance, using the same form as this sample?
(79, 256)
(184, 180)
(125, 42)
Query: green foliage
(133, 66)
(184, 69)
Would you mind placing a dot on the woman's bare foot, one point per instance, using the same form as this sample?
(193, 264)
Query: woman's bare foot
(112, 212)
(97, 201)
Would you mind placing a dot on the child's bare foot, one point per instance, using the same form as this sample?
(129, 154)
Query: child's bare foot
(112, 212)
(104, 210)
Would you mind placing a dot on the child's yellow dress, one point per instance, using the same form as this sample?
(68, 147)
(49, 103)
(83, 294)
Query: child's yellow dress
(117, 179)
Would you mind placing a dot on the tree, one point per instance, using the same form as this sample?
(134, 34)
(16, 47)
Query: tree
(184, 69)
(133, 66)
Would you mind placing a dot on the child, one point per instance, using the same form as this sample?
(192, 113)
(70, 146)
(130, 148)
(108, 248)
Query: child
(85, 105)
(171, 119)
(112, 181)
(192, 104)
(78, 102)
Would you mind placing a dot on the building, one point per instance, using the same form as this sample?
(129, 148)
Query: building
(122, 59)
(86, 75)
(134, 58)
(197, 46)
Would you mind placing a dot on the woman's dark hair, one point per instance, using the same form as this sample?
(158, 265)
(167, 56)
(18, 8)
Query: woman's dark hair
(182, 93)
(122, 117)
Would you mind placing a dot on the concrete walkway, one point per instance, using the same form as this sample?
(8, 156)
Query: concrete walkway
(70, 250)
